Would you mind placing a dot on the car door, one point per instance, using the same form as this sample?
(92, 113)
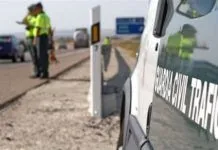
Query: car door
(185, 102)
(18, 46)
(135, 133)
(15, 45)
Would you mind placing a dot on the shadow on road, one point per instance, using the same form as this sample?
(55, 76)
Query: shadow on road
(106, 52)
(115, 83)
(9, 62)
(124, 70)
(71, 80)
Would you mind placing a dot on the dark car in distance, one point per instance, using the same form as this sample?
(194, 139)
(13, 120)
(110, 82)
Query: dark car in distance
(10, 48)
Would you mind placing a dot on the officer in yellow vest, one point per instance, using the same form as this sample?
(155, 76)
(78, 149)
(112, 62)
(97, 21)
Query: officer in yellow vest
(106, 41)
(181, 45)
(29, 22)
(106, 52)
(42, 32)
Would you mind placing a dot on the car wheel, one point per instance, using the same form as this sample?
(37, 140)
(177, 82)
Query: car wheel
(15, 58)
(75, 47)
(87, 45)
(22, 58)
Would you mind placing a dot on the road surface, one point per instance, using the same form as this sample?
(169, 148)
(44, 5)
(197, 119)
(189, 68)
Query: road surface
(55, 116)
(14, 77)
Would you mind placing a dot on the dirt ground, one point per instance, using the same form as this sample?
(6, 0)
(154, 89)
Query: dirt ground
(55, 117)
(130, 45)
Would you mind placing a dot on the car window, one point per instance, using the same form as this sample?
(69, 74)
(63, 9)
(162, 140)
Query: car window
(195, 8)
(216, 8)
(14, 41)
(5, 39)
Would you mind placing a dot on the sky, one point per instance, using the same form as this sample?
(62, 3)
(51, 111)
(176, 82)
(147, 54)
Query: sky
(70, 14)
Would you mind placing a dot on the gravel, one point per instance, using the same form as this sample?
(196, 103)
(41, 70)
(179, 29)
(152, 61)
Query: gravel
(55, 117)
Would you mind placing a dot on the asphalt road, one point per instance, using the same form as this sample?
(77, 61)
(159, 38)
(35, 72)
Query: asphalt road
(14, 77)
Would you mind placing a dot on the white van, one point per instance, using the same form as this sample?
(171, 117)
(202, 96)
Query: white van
(170, 102)
(81, 38)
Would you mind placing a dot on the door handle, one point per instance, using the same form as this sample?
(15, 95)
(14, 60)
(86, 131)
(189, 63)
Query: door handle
(156, 46)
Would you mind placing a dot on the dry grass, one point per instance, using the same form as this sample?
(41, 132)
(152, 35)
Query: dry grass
(131, 46)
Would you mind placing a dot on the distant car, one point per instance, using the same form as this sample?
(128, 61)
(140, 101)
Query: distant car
(10, 48)
(23, 45)
(81, 38)
(62, 46)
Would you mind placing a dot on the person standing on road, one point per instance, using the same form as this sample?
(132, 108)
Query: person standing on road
(29, 21)
(106, 52)
(52, 55)
(42, 32)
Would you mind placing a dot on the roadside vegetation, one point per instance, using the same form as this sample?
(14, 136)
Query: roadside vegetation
(130, 45)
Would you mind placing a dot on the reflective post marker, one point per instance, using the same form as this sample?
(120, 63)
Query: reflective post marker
(95, 96)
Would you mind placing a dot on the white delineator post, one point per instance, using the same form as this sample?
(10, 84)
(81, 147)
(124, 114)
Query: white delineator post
(95, 96)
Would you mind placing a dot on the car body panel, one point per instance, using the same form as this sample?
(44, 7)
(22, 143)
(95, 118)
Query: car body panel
(184, 104)
(176, 76)
(6, 46)
(9, 47)
(133, 109)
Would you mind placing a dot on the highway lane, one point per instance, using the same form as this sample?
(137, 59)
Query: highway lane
(14, 77)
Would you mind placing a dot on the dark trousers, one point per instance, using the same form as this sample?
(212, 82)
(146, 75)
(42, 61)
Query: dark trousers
(34, 55)
(42, 49)
(106, 52)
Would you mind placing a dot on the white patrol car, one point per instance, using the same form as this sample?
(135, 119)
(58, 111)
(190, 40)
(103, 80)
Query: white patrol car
(170, 102)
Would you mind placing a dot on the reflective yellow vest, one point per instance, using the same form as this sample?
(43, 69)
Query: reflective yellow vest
(31, 22)
(106, 41)
(173, 44)
(181, 46)
(43, 23)
(186, 47)
(194, 14)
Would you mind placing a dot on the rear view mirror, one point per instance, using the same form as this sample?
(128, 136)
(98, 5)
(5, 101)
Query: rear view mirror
(195, 9)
